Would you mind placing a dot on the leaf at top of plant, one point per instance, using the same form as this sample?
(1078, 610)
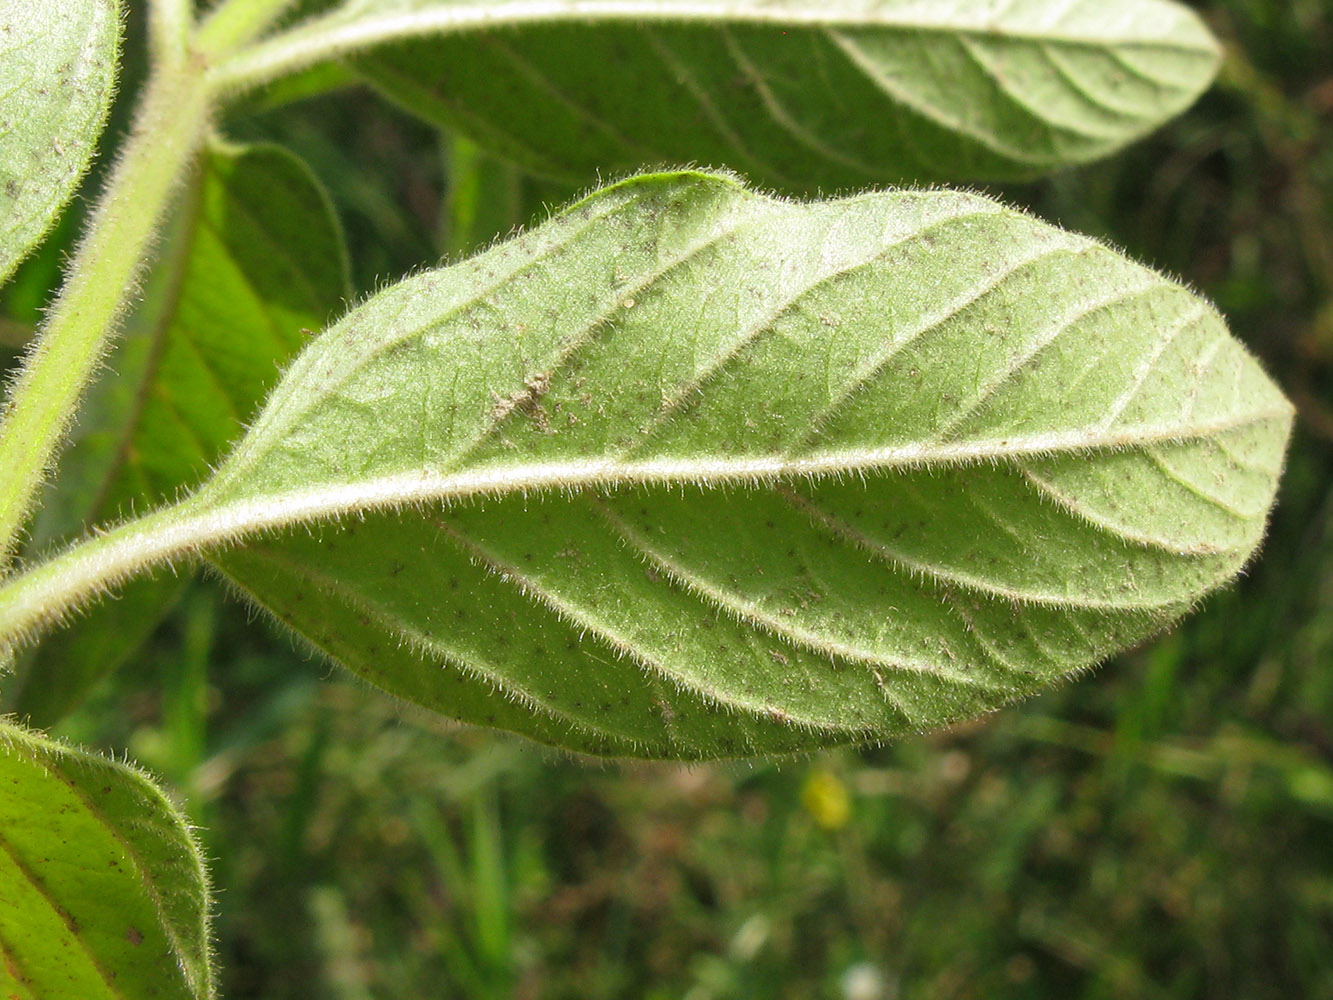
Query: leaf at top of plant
(256, 257)
(57, 72)
(694, 471)
(797, 94)
(102, 889)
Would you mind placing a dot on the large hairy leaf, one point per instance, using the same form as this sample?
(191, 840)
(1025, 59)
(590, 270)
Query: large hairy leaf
(690, 471)
(57, 70)
(102, 890)
(256, 257)
(797, 94)
(701, 472)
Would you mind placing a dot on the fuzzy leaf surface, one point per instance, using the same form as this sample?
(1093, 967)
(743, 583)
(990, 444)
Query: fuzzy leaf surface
(796, 94)
(103, 894)
(57, 73)
(256, 257)
(689, 471)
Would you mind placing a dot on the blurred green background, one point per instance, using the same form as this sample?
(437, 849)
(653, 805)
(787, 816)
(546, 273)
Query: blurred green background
(1163, 829)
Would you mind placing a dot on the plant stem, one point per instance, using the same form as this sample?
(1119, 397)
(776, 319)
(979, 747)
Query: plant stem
(238, 22)
(49, 592)
(169, 30)
(99, 286)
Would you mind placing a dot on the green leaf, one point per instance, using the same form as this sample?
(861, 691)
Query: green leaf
(725, 474)
(104, 891)
(256, 257)
(796, 94)
(689, 471)
(57, 72)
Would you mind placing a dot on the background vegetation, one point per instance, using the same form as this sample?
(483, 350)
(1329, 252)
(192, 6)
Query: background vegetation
(1163, 829)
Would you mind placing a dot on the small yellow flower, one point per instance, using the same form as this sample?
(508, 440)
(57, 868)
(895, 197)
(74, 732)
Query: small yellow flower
(825, 798)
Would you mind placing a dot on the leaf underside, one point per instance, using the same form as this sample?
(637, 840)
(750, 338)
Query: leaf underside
(690, 472)
(57, 71)
(798, 95)
(102, 890)
(257, 258)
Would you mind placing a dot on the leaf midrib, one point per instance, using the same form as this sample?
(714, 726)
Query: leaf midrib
(212, 520)
(461, 18)
(331, 500)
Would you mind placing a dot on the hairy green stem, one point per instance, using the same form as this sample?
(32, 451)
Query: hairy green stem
(100, 285)
(169, 23)
(236, 23)
(39, 597)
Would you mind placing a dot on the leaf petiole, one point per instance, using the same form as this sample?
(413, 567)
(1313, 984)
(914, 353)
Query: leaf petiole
(169, 24)
(233, 24)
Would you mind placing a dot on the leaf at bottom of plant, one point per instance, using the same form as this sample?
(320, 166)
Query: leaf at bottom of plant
(102, 889)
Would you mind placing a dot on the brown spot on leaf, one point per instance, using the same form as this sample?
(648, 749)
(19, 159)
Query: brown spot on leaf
(527, 401)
